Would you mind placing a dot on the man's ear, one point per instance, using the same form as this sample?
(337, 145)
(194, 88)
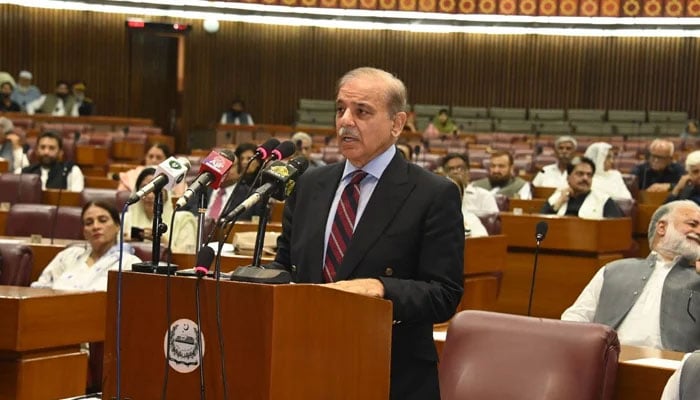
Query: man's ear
(60, 155)
(661, 228)
(399, 121)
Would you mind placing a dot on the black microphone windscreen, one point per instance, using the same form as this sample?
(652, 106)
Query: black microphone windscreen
(300, 164)
(286, 149)
(541, 230)
(416, 149)
(205, 257)
(270, 144)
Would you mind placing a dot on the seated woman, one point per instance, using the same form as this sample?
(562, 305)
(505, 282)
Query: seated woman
(140, 215)
(606, 180)
(155, 155)
(85, 267)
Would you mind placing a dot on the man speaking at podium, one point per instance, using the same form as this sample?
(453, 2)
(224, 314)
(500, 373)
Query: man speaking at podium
(379, 226)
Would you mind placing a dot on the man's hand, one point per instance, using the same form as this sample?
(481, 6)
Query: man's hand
(366, 287)
(565, 194)
(659, 187)
(682, 183)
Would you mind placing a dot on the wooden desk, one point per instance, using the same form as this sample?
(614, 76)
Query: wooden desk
(484, 263)
(128, 151)
(655, 198)
(570, 255)
(3, 221)
(533, 206)
(40, 335)
(539, 192)
(89, 155)
(641, 229)
(100, 182)
(4, 165)
(114, 123)
(68, 198)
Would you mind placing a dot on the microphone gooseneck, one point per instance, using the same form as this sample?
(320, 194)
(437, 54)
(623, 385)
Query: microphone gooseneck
(540, 233)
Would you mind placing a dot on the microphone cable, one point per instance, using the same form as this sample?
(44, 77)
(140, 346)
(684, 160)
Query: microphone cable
(118, 336)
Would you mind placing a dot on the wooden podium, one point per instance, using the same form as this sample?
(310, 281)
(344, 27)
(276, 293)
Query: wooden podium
(572, 252)
(40, 335)
(281, 341)
(484, 263)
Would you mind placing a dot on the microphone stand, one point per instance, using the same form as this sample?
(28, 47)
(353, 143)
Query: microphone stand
(534, 274)
(260, 237)
(201, 218)
(158, 229)
(256, 273)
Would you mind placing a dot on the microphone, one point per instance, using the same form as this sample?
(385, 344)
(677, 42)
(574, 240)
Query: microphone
(540, 233)
(278, 180)
(168, 173)
(204, 259)
(416, 152)
(284, 150)
(265, 150)
(212, 171)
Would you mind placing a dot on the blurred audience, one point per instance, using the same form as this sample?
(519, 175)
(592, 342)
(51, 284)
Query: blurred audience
(85, 104)
(554, 175)
(303, 143)
(501, 179)
(24, 92)
(54, 173)
(236, 114)
(688, 187)
(86, 267)
(474, 199)
(606, 180)
(441, 126)
(155, 155)
(11, 148)
(577, 199)
(659, 173)
(472, 224)
(59, 103)
(6, 103)
(140, 216)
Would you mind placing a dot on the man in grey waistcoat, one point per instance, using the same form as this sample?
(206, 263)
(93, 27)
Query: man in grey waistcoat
(652, 302)
(684, 383)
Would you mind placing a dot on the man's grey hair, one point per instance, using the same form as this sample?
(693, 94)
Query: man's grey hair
(6, 125)
(663, 213)
(692, 159)
(662, 143)
(303, 136)
(396, 90)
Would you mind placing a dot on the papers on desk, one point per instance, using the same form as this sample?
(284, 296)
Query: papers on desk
(440, 336)
(13, 241)
(228, 247)
(656, 362)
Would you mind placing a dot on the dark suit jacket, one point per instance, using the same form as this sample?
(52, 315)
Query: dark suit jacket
(410, 237)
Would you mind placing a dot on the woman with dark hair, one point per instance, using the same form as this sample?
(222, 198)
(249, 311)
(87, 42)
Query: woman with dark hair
(85, 267)
(140, 215)
(155, 155)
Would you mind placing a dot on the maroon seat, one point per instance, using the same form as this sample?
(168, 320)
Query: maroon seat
(492, 223)
(31, 219)
(501, 356)
(144, 251)
(96, 194)
(121, 198)
(20, 188)
(16, 264)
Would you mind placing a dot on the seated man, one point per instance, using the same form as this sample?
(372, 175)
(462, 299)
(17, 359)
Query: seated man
(577, 199)
(54, 173)
(501, 179)
(688, 187)
(11, 149)
(474, 199)
(554, 175)
(60, 103)
(649, 301)
(683, 384)
(659, 173)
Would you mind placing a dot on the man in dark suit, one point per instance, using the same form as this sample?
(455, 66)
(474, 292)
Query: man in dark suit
(406, 243)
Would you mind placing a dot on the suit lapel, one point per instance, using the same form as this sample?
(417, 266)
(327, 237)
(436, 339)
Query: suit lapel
(390, 193)
(323, 191)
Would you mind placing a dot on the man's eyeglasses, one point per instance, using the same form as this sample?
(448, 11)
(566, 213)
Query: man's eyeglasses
(456, 168)
(659, 157)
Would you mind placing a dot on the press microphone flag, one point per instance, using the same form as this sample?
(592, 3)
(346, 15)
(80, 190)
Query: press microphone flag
(168, 173)
(211, 172)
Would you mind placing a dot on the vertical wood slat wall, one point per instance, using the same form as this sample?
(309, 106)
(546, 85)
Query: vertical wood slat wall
(271, 67)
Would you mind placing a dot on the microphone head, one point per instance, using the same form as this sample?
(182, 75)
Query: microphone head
(284, 150)
(217, 164)
(541, 230)
(175, 169)
(264, 151)
(300, 163)
(204, 259)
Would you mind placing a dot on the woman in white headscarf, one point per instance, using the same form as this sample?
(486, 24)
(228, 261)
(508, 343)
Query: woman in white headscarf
(606, 180)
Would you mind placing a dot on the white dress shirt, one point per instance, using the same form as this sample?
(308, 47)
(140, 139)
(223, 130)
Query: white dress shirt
(551, 176)
(611, 183)
(60, 109)
(478, 200)
(641, 326)
(524, 193)
(75, 179)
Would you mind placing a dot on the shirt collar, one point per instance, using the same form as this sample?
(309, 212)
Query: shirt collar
(375, 167)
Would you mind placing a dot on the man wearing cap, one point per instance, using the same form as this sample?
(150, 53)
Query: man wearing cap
(85, 104)
(554, 175)
(59, 103)
(24, 92)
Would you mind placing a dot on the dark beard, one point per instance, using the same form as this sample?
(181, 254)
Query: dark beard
(47, 162)
(499, 182)
(62, 96)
